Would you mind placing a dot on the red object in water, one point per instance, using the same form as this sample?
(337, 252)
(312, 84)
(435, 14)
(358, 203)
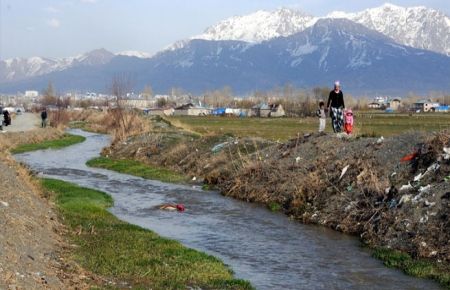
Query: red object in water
(409, 157)
(180, 207)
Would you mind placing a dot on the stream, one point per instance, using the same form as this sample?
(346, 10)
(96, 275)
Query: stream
(266, 248)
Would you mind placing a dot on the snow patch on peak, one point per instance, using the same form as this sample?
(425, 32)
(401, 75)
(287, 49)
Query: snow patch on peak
(259, 26)
(134, 53)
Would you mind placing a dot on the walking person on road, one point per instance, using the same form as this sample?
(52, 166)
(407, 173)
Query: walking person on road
(44, 118)
(336, 106)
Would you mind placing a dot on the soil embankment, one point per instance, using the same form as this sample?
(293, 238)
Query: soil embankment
(31, 238)
(357, 186)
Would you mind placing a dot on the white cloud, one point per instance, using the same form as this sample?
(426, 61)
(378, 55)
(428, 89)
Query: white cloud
(55, 23)
(88, 1)
(52, 9)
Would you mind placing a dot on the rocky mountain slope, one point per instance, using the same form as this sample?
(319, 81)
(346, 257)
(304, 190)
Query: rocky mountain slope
(367, 62)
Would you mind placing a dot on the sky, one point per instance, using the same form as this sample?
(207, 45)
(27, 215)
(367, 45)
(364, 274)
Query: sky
(61, 28)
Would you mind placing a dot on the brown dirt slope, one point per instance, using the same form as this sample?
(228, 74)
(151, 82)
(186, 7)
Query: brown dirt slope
(32, 246)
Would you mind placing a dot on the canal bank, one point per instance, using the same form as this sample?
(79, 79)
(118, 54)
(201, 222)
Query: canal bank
(266, 248)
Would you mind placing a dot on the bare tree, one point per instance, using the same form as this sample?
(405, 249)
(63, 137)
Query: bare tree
(147, 93)
(49, 95)
(120, 86)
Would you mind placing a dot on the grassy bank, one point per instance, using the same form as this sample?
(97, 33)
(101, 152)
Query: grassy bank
(64, 141)
(128, 253)
(137, 168)
(418, 268)
(366, 123)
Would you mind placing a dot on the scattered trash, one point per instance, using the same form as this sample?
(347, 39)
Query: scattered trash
(219, 147)
(405, 199)
(4, 203)
(418, 177)
(380, 140)
(429, 204)
(433, 167)
(392, 203)
(406, 187)
(433, 253)
(349, 188)
(344, 171)
(446, 154)
(297, 159)
(425, 189)
(409, 157)
(417, 199)
(423, 220)
(194, 178)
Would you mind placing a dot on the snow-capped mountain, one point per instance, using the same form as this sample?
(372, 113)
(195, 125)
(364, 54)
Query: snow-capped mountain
(21, 68)
(255, 27)
(134, 53)
(366, 61)
(419, 27)
(259, 26)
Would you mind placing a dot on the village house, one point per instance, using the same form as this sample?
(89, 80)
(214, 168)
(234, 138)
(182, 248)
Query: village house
(426, 106)
(266, 111)
(191, 110)
(160, 111)
(394, 104)
(374, 105)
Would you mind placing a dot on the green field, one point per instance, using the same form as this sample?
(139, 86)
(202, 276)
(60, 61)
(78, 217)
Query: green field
(372, 124)
(115, 249)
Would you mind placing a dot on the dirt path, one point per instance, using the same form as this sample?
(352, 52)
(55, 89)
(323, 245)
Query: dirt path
(24, 122)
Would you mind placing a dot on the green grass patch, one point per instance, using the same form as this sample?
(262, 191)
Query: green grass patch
(137, 168)
(415, 267)
(273, 206)
(64, 141)
(124, 252)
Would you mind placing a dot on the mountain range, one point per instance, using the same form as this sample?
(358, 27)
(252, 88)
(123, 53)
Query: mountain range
(389, 49)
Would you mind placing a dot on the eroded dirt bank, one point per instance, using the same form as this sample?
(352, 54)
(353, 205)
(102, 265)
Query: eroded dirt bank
(32, 244)
(387, 202)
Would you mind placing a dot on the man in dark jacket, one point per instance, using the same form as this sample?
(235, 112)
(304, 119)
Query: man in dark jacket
(336, 106)
(44, 118)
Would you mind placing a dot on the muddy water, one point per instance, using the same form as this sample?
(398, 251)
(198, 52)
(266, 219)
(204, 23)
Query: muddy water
(266, 248)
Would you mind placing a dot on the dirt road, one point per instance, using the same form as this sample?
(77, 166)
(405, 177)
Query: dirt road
(23, 122)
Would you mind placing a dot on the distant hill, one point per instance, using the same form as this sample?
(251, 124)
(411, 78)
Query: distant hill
(364, 60)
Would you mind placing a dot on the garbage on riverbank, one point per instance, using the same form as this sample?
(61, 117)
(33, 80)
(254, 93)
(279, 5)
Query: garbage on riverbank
(358, 186)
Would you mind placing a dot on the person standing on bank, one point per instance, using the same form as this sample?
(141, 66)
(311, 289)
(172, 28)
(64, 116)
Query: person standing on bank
(44, 118)
(336, 106)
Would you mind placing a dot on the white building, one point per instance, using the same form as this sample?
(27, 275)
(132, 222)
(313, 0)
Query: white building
(31, 94)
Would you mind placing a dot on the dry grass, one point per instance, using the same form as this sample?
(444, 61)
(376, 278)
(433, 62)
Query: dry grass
(121, 124)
